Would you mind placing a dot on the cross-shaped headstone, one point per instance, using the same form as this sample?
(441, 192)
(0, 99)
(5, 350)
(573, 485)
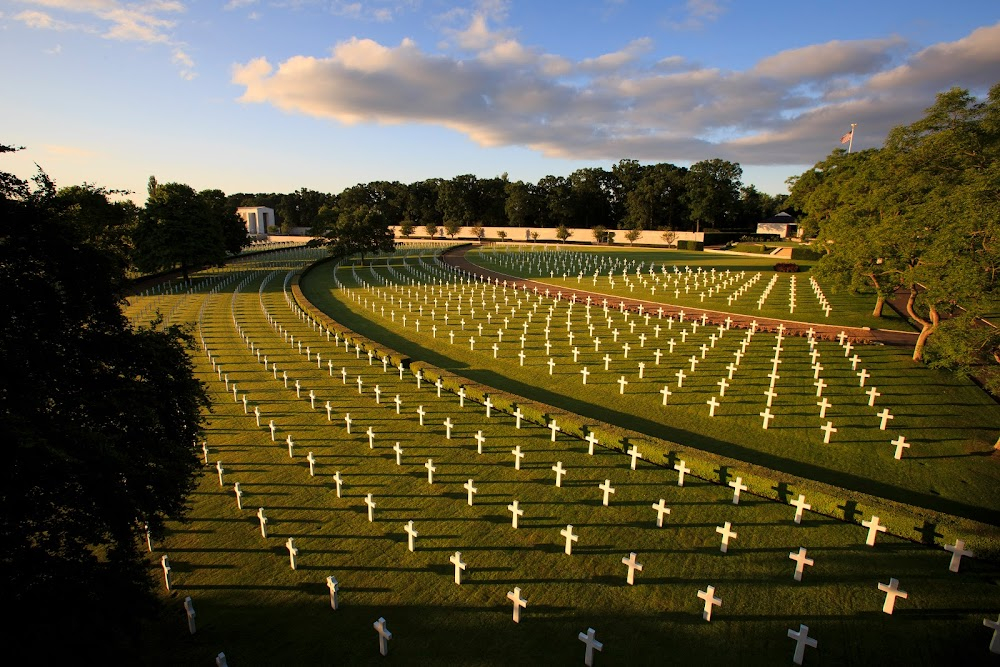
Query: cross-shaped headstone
(448, 426)
(800, 506)
(559, 471)
(682, 470)
(411, 534)
(958, 551)
(873, 530)
(518, 455)
(555, 428)
(995, 627)
(383, 635)
(827, 428)
(767, 417)
(892, 592)
(632, 566)
(515, 512)
(633, 452)
(592, 645)
(371, 508)
(708, 595)
(800, 562)
(430, 470)
(727, 534)
(456, 560)
(661, 509)
(338, 481)
(399, 453)
(884, 416)
(519, 602)
(607, 489)
(567, 532)
(738, 486)
(421, 412)
(802, 639)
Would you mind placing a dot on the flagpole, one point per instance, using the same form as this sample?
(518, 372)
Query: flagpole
(851, 144)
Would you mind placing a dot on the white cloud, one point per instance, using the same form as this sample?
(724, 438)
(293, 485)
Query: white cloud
(788, 108)
(697, 13)
(149, 22)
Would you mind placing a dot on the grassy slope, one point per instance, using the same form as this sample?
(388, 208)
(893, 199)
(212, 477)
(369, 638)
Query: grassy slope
(950, 422)
(251, 605)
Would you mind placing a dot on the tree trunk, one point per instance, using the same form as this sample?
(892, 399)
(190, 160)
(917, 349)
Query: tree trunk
(928, 326)
(879, 303)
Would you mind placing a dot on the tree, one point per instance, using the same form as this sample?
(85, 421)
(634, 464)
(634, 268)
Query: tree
(921, 215)
(431, 229)
(713, 192)
(406, 228)
(600, 233)
(633, 235)
(669, 237)
(563, 233)
(182, 228)
(452, 226)
(234, 232)
(479, 231)
(502, 235)
(534, 236)
(99, 418)
(360, 230)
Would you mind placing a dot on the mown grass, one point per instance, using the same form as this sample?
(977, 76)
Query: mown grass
(561, 268)
(251, 605)
(950, 423)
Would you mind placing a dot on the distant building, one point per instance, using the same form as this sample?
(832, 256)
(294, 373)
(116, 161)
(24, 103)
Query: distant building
(781, 225)
(256, 218)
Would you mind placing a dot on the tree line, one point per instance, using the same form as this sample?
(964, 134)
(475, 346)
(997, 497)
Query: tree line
(918, 221)
(709, 194)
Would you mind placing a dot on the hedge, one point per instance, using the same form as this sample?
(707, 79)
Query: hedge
(805, 254)
(690, 245)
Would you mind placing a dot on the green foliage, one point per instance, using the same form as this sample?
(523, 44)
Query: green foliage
(807, 254)
(786, 267)
(185, 229)
(99, 418)
(452, 227)
(361, 230)
(563, 233)
(919, 214)
(431, 229)
(757, 248)
(633, 235)
(690, 245)
(406, 228)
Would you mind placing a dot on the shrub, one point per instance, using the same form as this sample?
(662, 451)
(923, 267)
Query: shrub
(690, 245)
(805, 254)
(786, 267)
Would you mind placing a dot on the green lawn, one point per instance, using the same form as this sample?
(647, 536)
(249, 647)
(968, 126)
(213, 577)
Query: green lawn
(251, 605)
(574, 269)
(950, 423)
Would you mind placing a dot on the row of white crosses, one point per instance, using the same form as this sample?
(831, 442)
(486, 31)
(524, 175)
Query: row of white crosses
(584, 263)
(723, 530)
(630, 562)
(828, 427)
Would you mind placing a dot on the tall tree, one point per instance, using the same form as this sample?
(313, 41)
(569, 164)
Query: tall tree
(99, 420)
(181, 228)
(363, 229)
(713, 192)
(922, 214)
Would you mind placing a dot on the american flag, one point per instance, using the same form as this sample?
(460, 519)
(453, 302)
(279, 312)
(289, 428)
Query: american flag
(847, 137)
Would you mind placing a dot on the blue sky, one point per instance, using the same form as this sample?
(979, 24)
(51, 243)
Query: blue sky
(274, 95)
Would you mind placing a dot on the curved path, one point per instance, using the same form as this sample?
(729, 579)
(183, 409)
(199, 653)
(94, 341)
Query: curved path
(456, 257)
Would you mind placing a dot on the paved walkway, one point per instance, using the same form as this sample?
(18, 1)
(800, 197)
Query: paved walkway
(456, 258)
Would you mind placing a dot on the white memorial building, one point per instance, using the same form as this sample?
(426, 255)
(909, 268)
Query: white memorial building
(256, 218)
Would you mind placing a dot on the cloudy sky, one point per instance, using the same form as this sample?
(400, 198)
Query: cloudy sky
(274, 95)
